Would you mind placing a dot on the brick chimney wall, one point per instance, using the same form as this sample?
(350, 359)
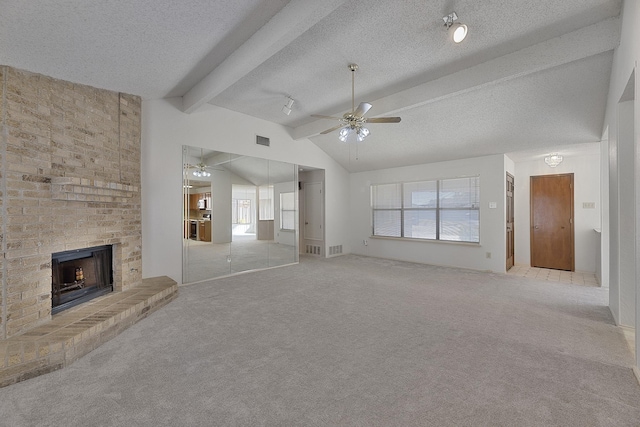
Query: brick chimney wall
(69, 179)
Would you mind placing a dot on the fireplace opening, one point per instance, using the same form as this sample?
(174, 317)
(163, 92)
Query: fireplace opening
(79, 276)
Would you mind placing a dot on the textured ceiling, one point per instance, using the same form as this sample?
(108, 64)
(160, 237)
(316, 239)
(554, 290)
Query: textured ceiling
(531, 74)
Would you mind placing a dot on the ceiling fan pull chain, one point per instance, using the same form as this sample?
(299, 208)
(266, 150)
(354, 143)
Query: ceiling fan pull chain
(353, 90)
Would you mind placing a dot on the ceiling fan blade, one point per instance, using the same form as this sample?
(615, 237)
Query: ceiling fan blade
(384, 120)
(332, 129)
(326, 117)
(362, 109)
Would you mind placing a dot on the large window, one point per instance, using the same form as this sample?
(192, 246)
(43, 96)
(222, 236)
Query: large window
(446, 209)
(287, 211)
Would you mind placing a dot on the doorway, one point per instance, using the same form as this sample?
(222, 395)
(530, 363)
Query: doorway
(313, 211)
(552, 235)
(510, 232)
(312, 238)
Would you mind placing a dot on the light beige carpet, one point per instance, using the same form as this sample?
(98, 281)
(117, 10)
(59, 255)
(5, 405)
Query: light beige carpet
(351, 341)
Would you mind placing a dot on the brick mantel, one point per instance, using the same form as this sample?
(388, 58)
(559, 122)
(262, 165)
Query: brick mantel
(89, 190)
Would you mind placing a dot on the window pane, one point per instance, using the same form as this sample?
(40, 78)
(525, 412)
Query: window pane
(420, 194)
(386, 223)
(420, 224)
(287, 201)
(460, 225)
(288, 220)
(266, 202)
(287, 211)
(460, 193)
(386, 196)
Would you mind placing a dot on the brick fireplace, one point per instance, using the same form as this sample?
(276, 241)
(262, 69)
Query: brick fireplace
(69, 185)
(70, 162)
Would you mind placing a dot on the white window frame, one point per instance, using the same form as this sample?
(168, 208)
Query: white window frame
(292, 210)
(405, 207)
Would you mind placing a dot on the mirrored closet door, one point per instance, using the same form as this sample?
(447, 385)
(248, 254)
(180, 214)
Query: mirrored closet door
(240, 213)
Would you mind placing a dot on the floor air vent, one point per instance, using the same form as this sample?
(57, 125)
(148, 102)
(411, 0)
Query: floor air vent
(313, 250)
(335, 250)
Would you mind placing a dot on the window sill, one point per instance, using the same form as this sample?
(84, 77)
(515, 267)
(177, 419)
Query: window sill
(408, 239)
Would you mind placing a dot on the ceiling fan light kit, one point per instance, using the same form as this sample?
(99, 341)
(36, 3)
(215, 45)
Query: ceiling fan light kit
(357, 134)
(351, 125)
(458, 30)
(201, 171)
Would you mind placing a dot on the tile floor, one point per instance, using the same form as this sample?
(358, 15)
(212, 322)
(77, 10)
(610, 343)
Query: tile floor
(573, 277)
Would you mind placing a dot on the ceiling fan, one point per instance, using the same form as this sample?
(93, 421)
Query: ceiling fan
(352, 124)
(201, 168)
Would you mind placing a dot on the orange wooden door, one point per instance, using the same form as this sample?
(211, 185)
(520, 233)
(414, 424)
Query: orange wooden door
(510, 237)
(552, 222)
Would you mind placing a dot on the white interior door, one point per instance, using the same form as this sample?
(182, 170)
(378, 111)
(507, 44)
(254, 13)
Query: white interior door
(313, 211)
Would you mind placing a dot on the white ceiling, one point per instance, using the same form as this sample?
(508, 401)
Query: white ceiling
(532, 73)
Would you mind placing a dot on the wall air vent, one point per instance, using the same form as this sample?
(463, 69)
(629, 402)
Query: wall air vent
(262, 140)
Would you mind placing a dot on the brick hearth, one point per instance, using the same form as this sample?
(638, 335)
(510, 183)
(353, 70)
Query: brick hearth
(77, 331)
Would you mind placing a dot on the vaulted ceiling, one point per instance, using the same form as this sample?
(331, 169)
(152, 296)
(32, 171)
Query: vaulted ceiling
(532, 74)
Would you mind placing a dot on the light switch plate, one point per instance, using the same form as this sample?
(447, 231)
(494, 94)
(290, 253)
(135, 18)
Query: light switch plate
(493, 205)
(588, 205)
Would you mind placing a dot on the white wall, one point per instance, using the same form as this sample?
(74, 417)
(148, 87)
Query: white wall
(165, 128)
(492, 221)
(625, 60)
(626, 205)
(586, 180)
(604, 213)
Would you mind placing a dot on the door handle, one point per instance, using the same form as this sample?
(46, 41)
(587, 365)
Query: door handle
(536, 227)
(306, 223)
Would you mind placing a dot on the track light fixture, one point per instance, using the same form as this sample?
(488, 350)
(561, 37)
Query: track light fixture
(287, 107)
(457, 29)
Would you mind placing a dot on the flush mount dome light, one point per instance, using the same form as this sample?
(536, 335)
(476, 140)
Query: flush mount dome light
(458, 30)
(553, 160)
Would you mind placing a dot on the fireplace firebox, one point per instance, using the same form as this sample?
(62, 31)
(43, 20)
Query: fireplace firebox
(80, 275)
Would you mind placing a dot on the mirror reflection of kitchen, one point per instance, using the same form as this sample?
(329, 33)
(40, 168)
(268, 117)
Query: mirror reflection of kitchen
(234, 217)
